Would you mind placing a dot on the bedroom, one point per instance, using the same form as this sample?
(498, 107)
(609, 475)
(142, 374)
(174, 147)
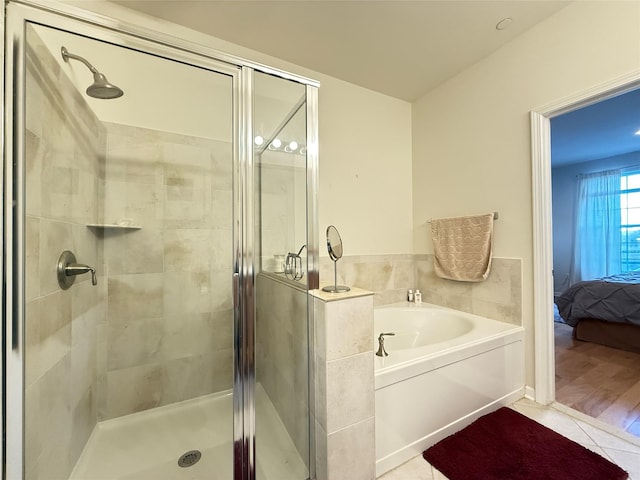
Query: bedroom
(596, 155)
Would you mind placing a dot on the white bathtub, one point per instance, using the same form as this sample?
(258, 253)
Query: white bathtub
(445, 369)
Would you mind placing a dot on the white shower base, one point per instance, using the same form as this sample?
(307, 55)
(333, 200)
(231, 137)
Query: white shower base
(147, 445)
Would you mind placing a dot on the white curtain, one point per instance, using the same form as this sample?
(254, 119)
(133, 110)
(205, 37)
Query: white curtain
(597, 230)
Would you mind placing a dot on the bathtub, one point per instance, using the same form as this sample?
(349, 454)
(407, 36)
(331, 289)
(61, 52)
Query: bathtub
(445, 369)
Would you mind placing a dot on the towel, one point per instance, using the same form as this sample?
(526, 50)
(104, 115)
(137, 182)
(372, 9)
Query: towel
(462, 247)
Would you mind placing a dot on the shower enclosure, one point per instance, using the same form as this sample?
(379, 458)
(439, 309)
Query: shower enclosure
(160, 241)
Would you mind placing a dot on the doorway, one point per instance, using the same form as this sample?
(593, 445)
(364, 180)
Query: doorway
(545, 386)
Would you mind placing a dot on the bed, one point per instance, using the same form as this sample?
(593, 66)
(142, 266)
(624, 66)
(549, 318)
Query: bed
(605, 311)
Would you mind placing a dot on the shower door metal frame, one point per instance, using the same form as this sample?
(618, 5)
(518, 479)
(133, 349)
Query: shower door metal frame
(78, 21)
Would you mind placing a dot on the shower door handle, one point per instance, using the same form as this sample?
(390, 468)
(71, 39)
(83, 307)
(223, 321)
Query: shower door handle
(236, 290)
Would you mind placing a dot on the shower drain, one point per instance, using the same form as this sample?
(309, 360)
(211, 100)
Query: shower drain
(190, 458)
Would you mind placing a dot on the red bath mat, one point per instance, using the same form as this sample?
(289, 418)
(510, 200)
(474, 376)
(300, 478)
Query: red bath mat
(505, 445)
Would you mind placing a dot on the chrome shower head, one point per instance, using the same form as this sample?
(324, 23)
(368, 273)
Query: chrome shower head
(101, 87)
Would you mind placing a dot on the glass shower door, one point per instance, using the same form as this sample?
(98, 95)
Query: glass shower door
(128, 374)
(149, 332)
(282, 393)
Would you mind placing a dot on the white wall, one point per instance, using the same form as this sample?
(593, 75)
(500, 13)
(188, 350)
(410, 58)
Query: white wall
(365, 148)
(158, 94)
(564, 190)
(365, 168)
(471, 135)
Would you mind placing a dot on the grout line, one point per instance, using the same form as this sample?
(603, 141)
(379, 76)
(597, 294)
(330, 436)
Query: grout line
(599, 424)
(635, 452)
(351, 425)
(602, 449)
(435, 473)
(575, 422)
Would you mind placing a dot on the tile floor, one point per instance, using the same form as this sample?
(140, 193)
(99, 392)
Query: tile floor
(619, 447)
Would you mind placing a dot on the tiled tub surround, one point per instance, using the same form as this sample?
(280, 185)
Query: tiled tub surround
(499, 297)
(390, 276)
(344, 385)
(169, 318)
(65, 146)
(282, 354)
(387, 276)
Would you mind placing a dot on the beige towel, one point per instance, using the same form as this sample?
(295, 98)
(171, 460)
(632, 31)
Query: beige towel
(462, 247)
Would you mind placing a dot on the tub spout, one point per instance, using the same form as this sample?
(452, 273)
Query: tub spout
(381, 351)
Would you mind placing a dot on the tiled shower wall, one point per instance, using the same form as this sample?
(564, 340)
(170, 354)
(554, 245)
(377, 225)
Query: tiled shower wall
(157, 328)
(65, 145)
(169, 316)
(282, 206)
(282, 337)
(282, 343)
(390, 276)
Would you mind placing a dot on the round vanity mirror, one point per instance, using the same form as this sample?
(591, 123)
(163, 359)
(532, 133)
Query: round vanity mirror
(334, 243)
(334, 246)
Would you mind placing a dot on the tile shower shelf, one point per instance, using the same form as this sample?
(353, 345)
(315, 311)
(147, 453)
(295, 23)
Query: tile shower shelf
(113, 226)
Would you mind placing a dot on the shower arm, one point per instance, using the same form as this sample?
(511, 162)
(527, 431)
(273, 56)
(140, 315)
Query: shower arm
(101, 87)
(66, 55)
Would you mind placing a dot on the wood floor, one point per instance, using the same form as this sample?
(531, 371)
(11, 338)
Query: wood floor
(599, 381)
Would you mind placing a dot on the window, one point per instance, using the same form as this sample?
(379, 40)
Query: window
(630, 220)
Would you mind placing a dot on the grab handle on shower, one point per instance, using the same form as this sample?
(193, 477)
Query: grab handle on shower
(69, 268)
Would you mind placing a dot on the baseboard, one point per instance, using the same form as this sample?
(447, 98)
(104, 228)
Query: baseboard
(530, 393)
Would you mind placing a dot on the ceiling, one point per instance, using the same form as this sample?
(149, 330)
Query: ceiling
(400, 48)
(601, 130)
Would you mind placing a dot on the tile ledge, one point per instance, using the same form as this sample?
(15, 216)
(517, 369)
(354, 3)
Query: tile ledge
(332, 297)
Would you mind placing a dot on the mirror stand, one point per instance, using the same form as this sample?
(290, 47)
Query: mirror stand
(335, 288)
(334, 246)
